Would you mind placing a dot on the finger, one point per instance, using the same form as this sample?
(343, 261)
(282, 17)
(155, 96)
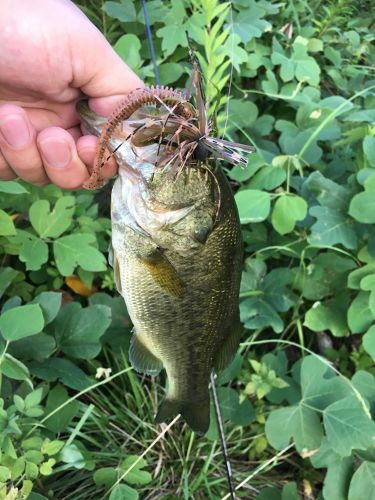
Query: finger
(6, 173)
(86, 147)
(18, 145)
(61, 161)
(106, 79)
(75, 132)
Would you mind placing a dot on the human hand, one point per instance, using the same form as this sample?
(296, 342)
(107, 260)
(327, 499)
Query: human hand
(50, 55)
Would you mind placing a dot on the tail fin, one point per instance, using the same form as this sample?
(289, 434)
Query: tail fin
(196, 415)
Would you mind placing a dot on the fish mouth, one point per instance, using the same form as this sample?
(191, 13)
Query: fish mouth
(91, 122)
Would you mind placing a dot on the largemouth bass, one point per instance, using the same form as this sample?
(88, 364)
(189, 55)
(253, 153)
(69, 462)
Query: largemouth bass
(177, 259)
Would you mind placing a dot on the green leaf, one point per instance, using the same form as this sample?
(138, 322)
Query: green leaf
(172, 35)
(136, 475)
(157, 10)
(31, 471)
(21, 322)
(290, 492)
(50, 303)
(332, 228)
(231, 371)
(362, 485)
(78, 330)
(6, 224)
(270, 85)
(12, 187)
(118, 334)
(245, 112)
(105, 476)
(60, 420)
(51, 448)
(271, 296)
(76, 250)
(320, 385)
(124, 10)
(7, 275)
(33, 251)
(327, 192)
(36, 347)
(306, 68)
(299, 422)
(4, 474)
(51, 224)
(18, 468)
(369, 342)
(61, 369)
(287, 211)
(348, 426)
(360, 316)
(268, 178)
(279, 427)
(32, 443)
(362, 207)
(231, 408)
(337, 479)
(307, 429)
(34, 398)
(13, 368)
(329, 315)
(259, 313)
(170, 73)
(128, 48)
(333, 55)
(364, 382)
(269, 493)
(253, 205)
(250, 23)
(369, 149)
(34, 456)
(73, 456)
(356, 277)
(123, 492)
(46, 468)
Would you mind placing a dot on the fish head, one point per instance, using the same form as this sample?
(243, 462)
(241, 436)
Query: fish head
(177, 210)
(186, 204)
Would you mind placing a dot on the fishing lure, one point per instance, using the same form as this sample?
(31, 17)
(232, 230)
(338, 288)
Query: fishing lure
(183, 129)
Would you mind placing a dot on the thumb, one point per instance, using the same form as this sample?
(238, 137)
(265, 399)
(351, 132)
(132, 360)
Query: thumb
(105, 78)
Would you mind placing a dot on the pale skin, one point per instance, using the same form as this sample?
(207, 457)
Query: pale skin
(51, 54)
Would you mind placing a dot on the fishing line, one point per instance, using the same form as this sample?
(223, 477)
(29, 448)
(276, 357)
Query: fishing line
(150, 42)
(231, 70)
(219, 419)
(228, 465)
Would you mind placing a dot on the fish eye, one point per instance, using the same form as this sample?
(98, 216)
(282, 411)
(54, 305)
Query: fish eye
(202, 234)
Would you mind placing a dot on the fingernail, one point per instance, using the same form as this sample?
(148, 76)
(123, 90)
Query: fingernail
(56, 152)
(15, 131)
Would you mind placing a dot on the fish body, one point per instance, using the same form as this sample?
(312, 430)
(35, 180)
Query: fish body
(177, 258)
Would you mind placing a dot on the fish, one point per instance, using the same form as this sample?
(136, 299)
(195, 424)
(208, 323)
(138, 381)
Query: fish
(177, 255)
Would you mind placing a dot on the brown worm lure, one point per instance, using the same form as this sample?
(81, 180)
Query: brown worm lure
(132, 102)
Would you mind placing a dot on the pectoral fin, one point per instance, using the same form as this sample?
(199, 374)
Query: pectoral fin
(114, 262)
(163, 272)
(142, 359)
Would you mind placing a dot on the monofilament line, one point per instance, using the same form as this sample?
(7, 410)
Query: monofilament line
(228, 466)
(151, 42)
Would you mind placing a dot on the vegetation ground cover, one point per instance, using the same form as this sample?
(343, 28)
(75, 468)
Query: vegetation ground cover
(297, 80)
